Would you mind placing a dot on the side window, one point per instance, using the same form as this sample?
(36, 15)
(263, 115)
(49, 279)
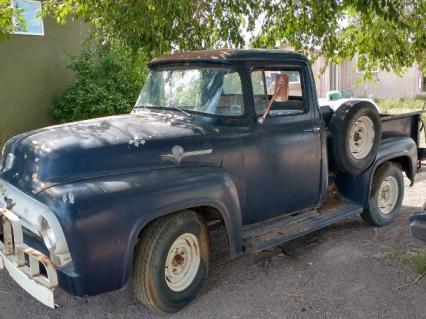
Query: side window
(283, 86)
(30, 9)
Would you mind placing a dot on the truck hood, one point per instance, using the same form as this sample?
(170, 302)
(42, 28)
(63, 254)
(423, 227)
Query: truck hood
(39, 159)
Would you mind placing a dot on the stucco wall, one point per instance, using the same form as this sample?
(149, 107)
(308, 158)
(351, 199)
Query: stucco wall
(388, 84)
(32, 72)
(385, 85)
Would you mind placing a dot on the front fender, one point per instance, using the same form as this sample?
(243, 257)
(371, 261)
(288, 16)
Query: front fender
(399, 149)
(106, 215)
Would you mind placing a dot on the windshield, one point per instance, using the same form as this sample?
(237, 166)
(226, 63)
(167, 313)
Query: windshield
(211, 90)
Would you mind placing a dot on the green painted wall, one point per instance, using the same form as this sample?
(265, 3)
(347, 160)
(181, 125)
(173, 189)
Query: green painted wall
(32, 73)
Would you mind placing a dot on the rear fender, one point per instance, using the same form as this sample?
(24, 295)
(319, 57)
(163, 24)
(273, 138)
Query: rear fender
(402, 150)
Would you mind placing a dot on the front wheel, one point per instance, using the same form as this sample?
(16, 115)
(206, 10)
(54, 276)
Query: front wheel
(387, 193)
(171, 262)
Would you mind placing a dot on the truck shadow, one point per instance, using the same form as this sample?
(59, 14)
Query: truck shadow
(226, 274)
(295, 251)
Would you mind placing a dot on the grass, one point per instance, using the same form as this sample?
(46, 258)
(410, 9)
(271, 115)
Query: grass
(388, 106)
(415, 259)
(399, 106)
(419, 261)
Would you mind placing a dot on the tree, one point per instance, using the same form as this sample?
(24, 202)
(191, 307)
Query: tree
(10, 19)
(389, 34)
(385, 34)
(161, 26)
(108, 80)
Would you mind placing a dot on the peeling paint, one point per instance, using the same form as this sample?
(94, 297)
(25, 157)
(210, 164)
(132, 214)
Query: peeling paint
(137, 141)
(68, 198)
(3, 189)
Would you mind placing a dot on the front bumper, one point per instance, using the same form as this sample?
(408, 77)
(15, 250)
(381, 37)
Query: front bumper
(31, 269)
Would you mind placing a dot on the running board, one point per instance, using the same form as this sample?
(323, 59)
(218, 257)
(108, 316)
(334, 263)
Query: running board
(279, 230)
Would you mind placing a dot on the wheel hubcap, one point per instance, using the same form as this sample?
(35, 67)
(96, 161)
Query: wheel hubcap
(182, 262)
(388, 194)
(361, 137)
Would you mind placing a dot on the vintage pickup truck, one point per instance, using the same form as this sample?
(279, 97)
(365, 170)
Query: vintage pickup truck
(231, 136)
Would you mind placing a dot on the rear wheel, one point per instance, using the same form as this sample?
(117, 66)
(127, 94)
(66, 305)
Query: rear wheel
(387, 193)
(171, 262)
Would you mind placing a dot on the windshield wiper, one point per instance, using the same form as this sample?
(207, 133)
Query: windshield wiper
(181, 110)
(164, 108)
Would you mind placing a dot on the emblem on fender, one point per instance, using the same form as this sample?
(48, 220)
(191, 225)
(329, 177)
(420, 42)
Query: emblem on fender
(178, 153)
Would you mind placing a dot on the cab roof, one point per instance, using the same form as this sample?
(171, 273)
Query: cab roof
(230, 56)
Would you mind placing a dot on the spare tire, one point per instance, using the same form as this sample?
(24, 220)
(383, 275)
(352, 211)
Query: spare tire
(356, 131)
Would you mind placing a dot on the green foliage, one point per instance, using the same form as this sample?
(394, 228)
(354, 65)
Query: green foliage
(385, 34)
(420, 263)
(388, 34)
(161, 26)
(8, 14)
(108, 81)
(394, 105)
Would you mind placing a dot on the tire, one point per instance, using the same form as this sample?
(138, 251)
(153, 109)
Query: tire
(356, 133)
(186, 232)
(383, 207)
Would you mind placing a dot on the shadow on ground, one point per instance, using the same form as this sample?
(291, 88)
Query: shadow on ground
(343, 271)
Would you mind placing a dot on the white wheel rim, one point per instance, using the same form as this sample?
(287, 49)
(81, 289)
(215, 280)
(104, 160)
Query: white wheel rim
(182, 262)
(388, 194)
(361, 137)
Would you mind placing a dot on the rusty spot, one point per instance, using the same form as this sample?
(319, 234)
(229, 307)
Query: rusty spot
(195, 55)
(40, 257)
(9, 203)
(178, 260)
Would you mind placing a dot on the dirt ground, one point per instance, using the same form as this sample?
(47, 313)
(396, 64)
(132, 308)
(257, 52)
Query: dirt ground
(348, 270)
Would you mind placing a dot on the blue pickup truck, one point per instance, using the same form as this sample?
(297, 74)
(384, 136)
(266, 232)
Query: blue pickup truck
(227, 136)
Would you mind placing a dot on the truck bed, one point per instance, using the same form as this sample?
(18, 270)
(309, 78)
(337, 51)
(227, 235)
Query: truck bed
(410, 125)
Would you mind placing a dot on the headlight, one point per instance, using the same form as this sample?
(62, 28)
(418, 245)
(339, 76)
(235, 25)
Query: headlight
(48, 234)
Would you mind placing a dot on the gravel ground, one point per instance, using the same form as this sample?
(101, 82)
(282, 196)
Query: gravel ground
(343, 271)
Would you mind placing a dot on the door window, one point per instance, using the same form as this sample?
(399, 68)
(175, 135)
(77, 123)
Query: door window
(284, 87)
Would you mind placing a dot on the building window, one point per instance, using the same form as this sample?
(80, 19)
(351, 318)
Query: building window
(29, 10)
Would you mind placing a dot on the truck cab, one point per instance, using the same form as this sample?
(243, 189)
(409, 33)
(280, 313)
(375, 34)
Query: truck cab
(229, 136)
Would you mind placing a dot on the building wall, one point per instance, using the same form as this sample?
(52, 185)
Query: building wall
(32, 73)
(385, 84)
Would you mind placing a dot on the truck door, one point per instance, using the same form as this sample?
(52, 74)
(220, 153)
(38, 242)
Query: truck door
(282, 154)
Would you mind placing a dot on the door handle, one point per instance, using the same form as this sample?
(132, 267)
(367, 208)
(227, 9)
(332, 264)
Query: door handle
(316, 130)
